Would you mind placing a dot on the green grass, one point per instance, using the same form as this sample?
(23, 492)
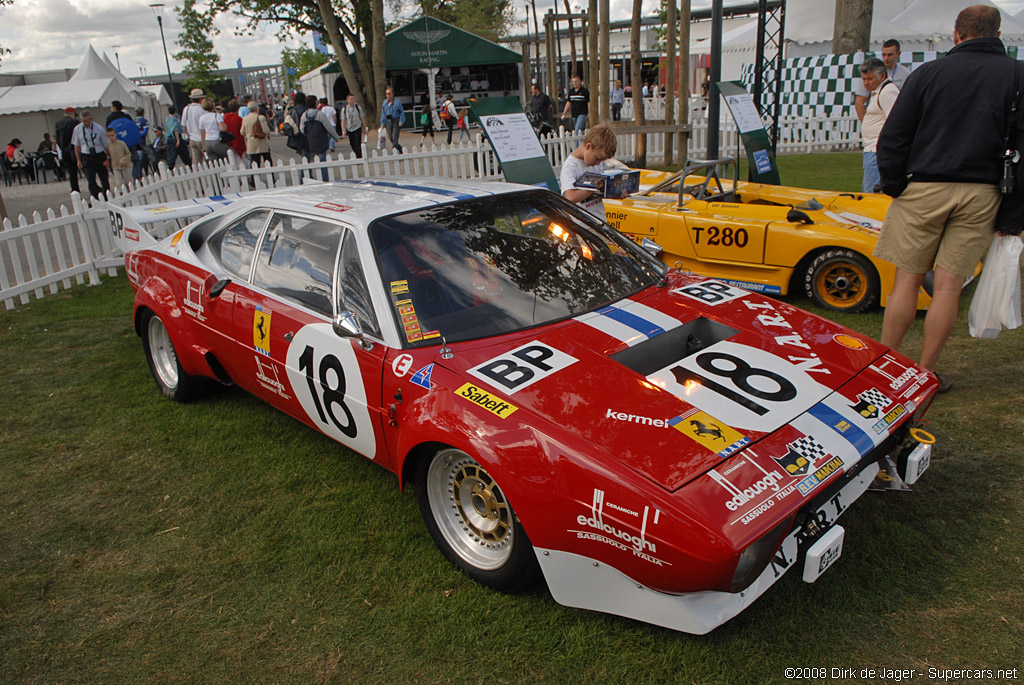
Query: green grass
(143, 540)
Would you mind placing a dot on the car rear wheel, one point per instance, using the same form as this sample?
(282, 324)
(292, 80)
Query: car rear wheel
(842, 280)
(163, 361)
(472, 521)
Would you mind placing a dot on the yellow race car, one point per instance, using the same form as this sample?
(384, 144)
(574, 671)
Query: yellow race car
(765, 238)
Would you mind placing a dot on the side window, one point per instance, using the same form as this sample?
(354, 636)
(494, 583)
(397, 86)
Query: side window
(355, 296)
(296, 260)
(234, 246)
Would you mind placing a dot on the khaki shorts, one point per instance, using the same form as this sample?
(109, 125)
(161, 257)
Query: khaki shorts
(944, 224)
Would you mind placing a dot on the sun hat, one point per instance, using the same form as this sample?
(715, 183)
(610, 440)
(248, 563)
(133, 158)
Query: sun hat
(196, 93)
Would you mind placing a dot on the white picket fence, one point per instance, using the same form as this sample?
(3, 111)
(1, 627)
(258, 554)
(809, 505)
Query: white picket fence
(41, 255)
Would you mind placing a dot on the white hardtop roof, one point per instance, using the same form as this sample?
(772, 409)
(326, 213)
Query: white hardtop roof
(360, 201)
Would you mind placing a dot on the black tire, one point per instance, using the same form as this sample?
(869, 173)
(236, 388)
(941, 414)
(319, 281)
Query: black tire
(163, 361)
(842, 281)
(473, 523)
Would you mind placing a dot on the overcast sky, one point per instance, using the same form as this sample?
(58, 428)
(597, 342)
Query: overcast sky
(47, 34)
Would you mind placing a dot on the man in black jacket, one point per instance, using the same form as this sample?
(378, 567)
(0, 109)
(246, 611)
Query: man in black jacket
(940, 157)
(65, 127)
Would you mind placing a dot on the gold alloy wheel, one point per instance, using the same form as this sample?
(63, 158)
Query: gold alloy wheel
(470, 510)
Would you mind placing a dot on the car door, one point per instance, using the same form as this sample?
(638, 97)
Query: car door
(298, 362)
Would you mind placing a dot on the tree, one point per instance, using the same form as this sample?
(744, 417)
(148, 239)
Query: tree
(303, 60)
(197, 45)
(354, 29)
(490, 19)
(852, 31)
(634, 77)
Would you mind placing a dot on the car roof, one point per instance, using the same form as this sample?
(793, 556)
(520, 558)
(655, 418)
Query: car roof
(361, 201)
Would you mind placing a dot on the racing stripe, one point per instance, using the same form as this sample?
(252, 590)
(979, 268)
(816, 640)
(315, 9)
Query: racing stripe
(630, 322)
(612, 328)
(388, 184)
(843, 426)
(648, 328)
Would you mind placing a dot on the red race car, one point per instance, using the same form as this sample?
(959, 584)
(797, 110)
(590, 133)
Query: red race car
(653, 444)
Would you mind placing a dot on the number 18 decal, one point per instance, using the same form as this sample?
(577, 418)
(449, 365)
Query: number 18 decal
(324, 373)
(748, 387)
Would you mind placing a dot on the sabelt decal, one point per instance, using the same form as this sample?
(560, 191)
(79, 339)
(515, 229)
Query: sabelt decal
(711, 292)
(193, 301)
(261, 330)
(325, 376)
(757, 390)
(709, 432)
(597, 529)
(482, 398)
(520, 368)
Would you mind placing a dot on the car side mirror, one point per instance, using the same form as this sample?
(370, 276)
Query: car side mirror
(652, 247)
(346, 325)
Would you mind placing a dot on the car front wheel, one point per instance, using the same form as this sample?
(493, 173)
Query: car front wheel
(163, 361)
(473, 523)
(842, 281)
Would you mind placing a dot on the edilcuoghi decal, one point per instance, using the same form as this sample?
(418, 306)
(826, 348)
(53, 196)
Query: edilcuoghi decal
(633, 539)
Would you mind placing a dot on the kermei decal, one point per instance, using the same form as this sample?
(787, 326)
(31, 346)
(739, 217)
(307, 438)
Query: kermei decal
(193, 302)
(522, 367)
(267, 376)
(639, 545)
(633, 418)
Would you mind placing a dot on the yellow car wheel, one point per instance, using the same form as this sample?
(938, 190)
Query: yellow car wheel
(842, 281)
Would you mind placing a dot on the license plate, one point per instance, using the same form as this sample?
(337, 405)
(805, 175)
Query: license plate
(823, 553)
(917, 463)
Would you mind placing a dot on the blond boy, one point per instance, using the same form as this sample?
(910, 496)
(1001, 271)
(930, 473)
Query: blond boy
(598, 145)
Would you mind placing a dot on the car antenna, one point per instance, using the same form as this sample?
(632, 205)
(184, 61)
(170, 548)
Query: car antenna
(446, 353)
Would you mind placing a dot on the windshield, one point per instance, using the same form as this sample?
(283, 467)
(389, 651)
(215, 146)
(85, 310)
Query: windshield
(499, 264)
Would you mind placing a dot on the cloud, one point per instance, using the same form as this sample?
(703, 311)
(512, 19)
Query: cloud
(54, 34)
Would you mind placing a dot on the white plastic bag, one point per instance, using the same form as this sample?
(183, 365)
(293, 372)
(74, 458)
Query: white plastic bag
(382, 138)
(996, 302)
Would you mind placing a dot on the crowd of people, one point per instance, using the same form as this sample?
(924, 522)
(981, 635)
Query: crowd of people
(933, 139)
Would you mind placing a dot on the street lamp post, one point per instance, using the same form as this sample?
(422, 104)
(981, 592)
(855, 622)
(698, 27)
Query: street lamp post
(157, 10)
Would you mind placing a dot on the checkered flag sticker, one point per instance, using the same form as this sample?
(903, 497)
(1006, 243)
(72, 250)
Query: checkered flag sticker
(874, 396)
(810, 448)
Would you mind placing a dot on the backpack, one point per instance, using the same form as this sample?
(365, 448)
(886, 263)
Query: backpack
(257, 129)
(445, 112)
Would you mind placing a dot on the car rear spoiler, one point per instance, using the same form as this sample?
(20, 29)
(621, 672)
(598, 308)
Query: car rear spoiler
(135, 227)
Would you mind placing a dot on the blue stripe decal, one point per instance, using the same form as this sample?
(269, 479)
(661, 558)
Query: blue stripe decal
(436, 191)
(635, 322)
(834, 420)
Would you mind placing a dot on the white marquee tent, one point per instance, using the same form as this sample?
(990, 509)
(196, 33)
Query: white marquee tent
(26, 112)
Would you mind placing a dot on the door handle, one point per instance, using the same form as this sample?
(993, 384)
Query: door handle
(288, 336)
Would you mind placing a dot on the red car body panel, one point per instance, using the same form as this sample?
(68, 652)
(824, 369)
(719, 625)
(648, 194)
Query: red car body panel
(610, 444)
